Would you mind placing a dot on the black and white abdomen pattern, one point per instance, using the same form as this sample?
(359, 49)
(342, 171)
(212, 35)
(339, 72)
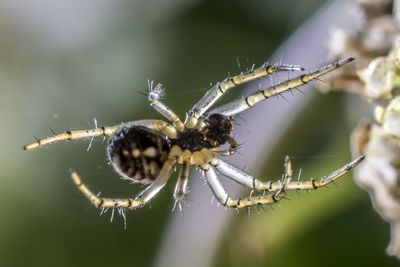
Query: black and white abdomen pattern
(138, 153)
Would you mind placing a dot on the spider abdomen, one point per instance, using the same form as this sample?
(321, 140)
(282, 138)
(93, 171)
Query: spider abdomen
(138, 153)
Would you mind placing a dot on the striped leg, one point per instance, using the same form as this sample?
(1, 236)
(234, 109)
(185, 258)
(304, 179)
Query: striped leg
(224, 198)
(181, 185)
(249, 101)
(247, 180)
(129, 203)
(73, 135)
(212, 95)
(157, 125)
(154, 96)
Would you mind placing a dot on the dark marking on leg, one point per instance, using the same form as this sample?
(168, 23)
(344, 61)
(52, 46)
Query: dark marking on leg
(220, 89)
(238, 203)
(232, 80)
(69, 135)
(264, 95)
(247, 102)
(226, 201)
(313, 184)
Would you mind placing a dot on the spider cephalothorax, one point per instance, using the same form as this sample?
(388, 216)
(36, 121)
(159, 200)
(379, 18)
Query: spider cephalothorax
(147, 151)
(215, 132)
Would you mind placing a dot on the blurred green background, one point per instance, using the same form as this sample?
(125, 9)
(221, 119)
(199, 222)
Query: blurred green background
(64, 63)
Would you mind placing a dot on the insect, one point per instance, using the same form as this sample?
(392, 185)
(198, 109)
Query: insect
(147, 151)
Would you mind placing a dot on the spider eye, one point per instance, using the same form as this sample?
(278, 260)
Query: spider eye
(138, 153)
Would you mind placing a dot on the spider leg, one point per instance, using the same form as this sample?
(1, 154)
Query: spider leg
(73, 135)
(212, 95)
(130, 203)
(227, 201)
(247, 180)
(157, 125)
(153, 97)
(181, 185)
(249, 101)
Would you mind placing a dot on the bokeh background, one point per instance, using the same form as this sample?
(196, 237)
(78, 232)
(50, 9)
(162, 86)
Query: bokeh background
(64, 63)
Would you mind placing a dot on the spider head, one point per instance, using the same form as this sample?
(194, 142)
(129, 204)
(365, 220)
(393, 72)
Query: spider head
(218, 128)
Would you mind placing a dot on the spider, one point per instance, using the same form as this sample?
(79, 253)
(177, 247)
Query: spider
(147, 151)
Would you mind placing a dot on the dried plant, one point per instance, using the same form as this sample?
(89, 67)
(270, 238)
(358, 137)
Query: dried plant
(377, 78)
